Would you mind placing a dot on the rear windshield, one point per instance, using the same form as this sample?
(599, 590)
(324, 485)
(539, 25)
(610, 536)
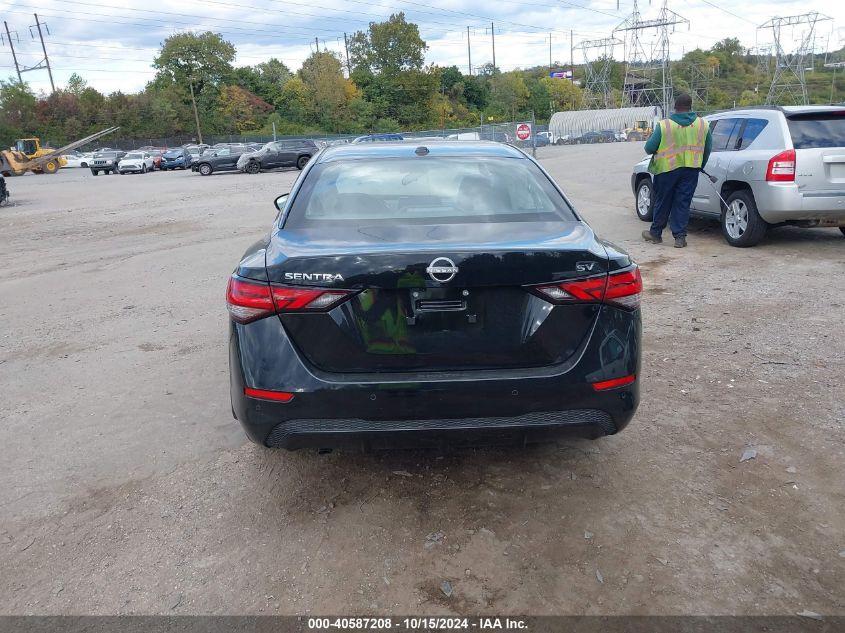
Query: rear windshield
(817, 130)
(426, 191)
(134, 155)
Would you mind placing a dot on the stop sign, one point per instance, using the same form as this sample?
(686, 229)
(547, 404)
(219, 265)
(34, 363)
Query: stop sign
(523, 131)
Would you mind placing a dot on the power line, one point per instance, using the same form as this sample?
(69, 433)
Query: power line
(723, 10)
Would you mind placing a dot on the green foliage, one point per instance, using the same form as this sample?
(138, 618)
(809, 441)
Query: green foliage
(389, 47)
(389, 89)
(204, 58)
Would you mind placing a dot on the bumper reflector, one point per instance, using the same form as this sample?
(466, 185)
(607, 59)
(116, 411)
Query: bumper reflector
(613, 383)
(264, 394)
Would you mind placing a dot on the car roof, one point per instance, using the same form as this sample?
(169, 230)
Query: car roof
(408, 148)
(787, 110)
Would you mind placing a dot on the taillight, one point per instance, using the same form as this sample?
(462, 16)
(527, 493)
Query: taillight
(251, 300)
(782, 167)
(248, 300)
(623, 289)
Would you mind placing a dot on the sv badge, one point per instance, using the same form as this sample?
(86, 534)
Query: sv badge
(583, 267)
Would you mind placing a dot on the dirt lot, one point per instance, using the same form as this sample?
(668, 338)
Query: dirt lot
(126, 487)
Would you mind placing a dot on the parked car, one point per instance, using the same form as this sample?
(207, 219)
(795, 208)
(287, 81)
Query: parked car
(220, 159)
(106, 161)
(604, 136)
(384, 274)
(772, 166)
(378, 138)
(541, 139)
(157, 153)
(136, 163)
(295, 153)
(178, 158)
(76, 159)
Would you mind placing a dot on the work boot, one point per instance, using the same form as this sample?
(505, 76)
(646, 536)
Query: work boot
(648, 236)
(681, 241)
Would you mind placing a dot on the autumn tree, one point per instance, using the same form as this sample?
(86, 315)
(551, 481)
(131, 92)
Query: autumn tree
(241, 108)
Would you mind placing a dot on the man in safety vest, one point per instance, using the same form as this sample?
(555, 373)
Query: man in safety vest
(680, 146)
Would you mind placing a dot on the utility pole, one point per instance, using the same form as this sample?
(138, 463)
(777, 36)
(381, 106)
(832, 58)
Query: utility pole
(346, 47)
(196, 115)
(550, 53)
(469, 53)
(44, 48)
(571, 57)
(14, 56)
(317, 43)
(493, 35)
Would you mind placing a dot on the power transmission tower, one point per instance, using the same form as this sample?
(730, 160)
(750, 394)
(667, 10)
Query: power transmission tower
(794, 40)
(648, 79)
(700, 76)
(598, 64)
(763, 52)
(12, 46)
(44, 63)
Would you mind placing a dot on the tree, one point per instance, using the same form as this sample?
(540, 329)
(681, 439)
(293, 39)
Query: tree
(198, 60)
(564, 94)
(265, 80)
(17, 110)
(388, 47)
(329, 93)
(292, 103)
(509, 94)
(76, 84)
(241, 108)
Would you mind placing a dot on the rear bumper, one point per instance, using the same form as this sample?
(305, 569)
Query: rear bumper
(417, 409)
(784, 202)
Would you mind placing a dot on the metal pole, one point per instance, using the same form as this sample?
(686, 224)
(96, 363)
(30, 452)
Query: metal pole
(571, 56)
(832, 84)
(274, 130)
(469, 53)
(14, 56)
(533, 136)
(550, 54)
(196, 115)
(44, 48)
(493, 35)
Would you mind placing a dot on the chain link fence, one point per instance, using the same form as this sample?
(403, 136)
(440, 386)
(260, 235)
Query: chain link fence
(501, 132)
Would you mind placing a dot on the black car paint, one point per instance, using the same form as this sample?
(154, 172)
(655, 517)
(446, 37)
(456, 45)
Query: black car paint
(283, 154)
(327, 385)
(107, 162)
(223, 159)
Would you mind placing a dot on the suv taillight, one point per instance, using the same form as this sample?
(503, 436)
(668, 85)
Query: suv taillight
(782, 167)
(622, 289)
(249, 300)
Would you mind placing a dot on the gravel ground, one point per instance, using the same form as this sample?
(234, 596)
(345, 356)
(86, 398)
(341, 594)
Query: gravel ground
(126, 487)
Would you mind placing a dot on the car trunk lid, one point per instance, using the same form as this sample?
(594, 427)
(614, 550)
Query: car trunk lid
(819, 142)
(438, 297)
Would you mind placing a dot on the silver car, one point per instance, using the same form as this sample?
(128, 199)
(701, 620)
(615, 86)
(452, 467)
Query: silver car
(772, 166)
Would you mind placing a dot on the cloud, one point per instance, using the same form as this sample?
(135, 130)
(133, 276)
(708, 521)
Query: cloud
(112, 45)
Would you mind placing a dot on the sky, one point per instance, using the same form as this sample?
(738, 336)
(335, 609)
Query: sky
(112, 45)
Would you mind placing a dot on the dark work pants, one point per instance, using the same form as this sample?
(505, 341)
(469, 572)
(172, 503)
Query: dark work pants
(672, 197)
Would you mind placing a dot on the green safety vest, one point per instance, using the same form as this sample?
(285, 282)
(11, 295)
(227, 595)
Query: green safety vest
(680, 146)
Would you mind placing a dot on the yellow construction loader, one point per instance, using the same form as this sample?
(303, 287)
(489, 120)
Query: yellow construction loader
(28, 155)
(640, 131)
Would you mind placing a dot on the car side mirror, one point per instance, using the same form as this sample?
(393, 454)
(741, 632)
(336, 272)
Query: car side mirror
(281, 201)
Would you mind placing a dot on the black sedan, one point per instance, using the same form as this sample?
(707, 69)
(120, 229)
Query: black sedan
(445, 293)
